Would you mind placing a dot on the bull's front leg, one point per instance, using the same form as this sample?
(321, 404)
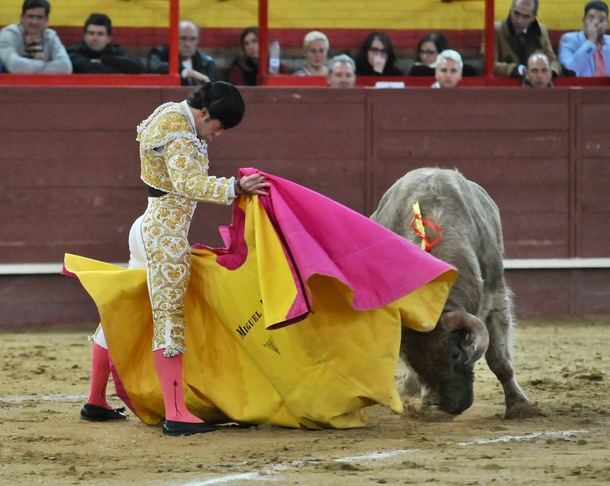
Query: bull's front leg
(499, 360)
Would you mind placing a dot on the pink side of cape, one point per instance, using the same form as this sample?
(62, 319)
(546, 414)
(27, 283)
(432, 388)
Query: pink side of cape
(326, 238)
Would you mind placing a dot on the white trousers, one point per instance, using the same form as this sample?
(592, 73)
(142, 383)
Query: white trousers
(137, 259)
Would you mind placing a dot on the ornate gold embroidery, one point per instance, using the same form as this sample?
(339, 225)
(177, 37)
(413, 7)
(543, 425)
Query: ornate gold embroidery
(174, 160)
(164, 232)
(188, 177)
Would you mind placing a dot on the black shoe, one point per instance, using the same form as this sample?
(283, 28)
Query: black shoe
(101, 414)
(173, 427)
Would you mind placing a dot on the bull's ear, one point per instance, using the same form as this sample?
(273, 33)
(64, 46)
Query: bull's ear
(475, 338)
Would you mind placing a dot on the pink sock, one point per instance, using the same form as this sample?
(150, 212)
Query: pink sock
(169, 371)
(100, 371)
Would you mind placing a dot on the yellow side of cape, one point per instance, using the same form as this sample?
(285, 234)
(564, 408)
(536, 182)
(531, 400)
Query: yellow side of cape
(320, 372)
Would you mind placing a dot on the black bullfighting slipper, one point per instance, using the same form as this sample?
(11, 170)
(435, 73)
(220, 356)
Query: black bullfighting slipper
(101, 414)
(172, 427)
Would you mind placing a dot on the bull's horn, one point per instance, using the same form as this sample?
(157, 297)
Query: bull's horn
(476, 338)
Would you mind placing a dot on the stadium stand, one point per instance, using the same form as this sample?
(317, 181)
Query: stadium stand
(138, 28)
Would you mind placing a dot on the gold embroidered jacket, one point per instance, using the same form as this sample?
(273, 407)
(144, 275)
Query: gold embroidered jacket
(174, 160)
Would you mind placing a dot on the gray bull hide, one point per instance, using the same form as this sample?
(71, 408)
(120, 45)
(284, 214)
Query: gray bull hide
(477, 316)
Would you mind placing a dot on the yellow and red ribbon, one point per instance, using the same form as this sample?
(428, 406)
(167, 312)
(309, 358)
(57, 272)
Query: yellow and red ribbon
(418, 225)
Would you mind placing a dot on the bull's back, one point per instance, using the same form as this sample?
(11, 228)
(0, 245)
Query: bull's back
(445, 197)
(471, 238)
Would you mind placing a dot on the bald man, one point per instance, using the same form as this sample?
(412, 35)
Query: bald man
(196, 67)
(538, 72)
(519, 35)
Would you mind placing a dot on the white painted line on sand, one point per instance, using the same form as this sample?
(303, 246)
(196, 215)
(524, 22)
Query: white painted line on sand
(251, 476)
(267, 473)
(376, 456)
(524, 437)
(264, 475)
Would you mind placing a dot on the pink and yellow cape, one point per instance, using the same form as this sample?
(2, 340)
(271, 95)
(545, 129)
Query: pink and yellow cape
(294, 256)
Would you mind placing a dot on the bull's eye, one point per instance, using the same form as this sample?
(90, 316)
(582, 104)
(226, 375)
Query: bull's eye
(455, 355)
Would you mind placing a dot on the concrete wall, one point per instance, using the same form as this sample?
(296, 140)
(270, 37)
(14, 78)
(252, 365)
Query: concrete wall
(70, 179)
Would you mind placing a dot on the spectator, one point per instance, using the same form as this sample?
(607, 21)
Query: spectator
(315, 45)
(448, 70)
(377, 57)
(97, 54)
(244, 69)
(196, 67)
(518, 36)
(538, 72)
(428, 49)
(30, 46)
(341, 72)
(587, 53)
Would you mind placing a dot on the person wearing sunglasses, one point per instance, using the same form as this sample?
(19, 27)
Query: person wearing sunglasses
(377, 57)
(428, 47)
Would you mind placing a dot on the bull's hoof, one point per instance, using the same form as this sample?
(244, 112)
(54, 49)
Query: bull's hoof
(523, 410)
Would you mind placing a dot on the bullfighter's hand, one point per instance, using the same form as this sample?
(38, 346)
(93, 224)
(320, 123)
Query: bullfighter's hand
(254, 184)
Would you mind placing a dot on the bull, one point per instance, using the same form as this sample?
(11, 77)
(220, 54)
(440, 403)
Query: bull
(477, 317)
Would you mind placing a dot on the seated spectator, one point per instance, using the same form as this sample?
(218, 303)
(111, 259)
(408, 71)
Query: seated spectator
(315, 46)
(377, 57)
(587, 53)
(195, 67)
(244, 69)
(448, 70)
(538, 72)
(518, 36)
(341, 72)
(30, 46)
(97, 54)
(428, 49)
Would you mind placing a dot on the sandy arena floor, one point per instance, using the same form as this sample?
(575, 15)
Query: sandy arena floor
(564, 366)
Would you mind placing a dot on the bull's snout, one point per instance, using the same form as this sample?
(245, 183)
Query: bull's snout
(456, 405)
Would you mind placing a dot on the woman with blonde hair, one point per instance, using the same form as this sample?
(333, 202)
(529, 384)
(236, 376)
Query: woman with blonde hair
(315, 45)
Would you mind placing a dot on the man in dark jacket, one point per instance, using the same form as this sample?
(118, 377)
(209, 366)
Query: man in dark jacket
(196, 67)
(96, 53)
